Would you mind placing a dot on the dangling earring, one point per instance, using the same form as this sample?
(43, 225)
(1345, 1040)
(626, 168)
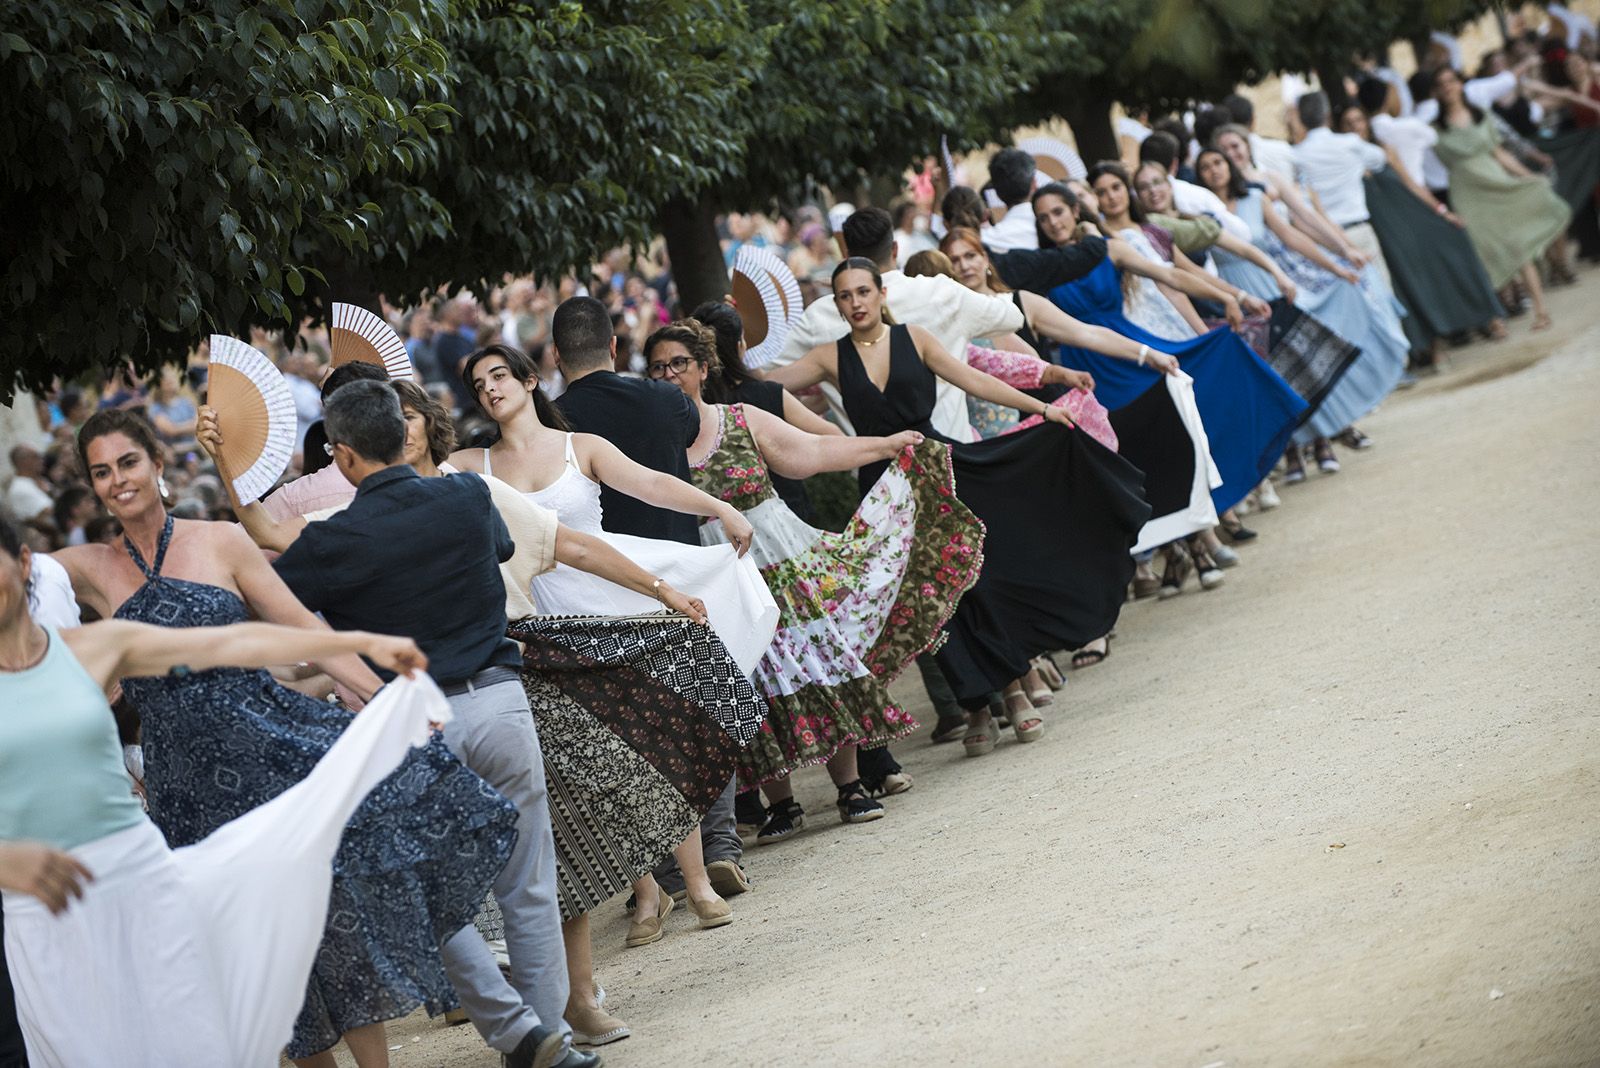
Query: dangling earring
(161, 486)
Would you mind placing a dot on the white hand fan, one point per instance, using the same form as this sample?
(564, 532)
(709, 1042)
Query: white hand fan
(357, 334)
(255, 412)
(947, 161)
(1055, 158)
(767, 297)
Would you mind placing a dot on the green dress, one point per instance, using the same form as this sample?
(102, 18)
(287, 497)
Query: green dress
(1511, 220)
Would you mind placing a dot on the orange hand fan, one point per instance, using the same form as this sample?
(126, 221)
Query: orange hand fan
(255, 413)
(357, 334)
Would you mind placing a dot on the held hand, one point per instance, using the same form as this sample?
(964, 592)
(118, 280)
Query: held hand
(682, 603)
(52, 876)
(1287, 288)
(898, 443)
(1455, 220)
(1255, 306)
(1230, 308)
(399, 655)
(738, 529)
(1348, 275)
(207, 432)
(1356, 257)
(1164, 362)
(1057, 414)
(1076, 379)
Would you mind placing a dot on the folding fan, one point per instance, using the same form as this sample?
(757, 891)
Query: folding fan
(768, 299)
(255, 412)
(357, 334)
(1055, 158)
(947, 161)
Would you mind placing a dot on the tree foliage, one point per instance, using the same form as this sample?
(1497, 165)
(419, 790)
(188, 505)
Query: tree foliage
(171, 169)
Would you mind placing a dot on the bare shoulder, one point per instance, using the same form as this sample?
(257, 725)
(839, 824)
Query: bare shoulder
(467, 460)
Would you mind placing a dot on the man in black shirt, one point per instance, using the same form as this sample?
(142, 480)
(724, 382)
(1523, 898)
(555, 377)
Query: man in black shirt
(653, 423)
(421, 557)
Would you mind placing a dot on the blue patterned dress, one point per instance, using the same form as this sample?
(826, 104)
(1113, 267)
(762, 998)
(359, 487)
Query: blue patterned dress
(417, 858)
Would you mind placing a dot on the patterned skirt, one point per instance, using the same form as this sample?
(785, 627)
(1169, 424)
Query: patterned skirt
(641, 719)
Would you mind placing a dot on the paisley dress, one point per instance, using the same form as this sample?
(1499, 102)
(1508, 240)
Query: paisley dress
(854, 608)
(416, 860)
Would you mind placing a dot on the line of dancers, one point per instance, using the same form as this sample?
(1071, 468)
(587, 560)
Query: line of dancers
(627, 638)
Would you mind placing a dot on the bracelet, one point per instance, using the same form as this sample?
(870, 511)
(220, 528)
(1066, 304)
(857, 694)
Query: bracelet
(655, 588)
(1144, 352)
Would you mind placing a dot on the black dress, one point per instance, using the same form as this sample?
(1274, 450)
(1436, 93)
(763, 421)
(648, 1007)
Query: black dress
(1061, 510)
(768, 396)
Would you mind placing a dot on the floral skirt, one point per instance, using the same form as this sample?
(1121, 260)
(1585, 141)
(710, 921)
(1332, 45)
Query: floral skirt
(854, 609)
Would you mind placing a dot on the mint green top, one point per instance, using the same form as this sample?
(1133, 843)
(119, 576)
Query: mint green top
(61, 776)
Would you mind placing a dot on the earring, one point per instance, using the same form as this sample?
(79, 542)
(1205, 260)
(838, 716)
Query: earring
(161, 486)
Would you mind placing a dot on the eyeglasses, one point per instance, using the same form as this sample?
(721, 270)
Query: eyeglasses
(676, 366)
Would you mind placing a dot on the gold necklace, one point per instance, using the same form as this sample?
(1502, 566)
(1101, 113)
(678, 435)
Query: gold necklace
(881, 335)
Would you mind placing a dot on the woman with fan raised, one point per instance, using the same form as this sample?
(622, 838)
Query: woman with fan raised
(421, 851)
(1061, 510)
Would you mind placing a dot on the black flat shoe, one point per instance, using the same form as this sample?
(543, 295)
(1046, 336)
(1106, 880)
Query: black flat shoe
(543, 1047)
(855, 806)
(783, 819)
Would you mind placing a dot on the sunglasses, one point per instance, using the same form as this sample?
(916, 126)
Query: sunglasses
(676, 366)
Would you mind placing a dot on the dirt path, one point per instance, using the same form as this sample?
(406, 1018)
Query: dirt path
(1341, 811)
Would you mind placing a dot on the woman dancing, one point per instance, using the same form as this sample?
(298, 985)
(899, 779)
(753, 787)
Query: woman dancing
(198, 956)
(421, 851)
(1061, 510)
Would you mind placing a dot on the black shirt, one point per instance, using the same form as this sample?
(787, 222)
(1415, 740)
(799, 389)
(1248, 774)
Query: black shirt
(1039, 270)
(653, 423)
(412, 556)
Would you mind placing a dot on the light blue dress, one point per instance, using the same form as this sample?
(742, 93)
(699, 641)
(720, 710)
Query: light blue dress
(1367, 316)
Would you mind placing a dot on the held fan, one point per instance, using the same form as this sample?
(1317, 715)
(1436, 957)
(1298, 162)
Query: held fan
(1055, 158)
(357, 334)
(767, 297)
(255, 413)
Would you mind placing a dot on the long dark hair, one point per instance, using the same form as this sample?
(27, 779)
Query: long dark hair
(1237, 187)
(1052, 189)
(1120, 173)
(522, 367)
(722, 319)
(1440, 120)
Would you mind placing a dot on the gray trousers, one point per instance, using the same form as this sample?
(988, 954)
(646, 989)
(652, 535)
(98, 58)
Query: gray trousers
(719, 840)
(494, 735)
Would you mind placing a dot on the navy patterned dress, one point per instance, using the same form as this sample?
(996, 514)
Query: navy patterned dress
(416, 860)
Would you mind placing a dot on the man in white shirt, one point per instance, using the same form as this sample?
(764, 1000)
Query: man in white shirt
(1011, 175)
(1332, 165)
(1410, 138)
(27, 498)
(1269, 153)
(948, 310)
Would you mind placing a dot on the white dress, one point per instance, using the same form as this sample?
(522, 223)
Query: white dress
(1146, 306)
(198, 957)
(738, 604)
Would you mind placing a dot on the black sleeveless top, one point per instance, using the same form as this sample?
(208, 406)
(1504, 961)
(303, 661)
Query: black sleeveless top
(904, 403)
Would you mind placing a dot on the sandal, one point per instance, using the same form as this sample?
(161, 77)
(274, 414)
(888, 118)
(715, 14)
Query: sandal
(1541, 321)
(1038, 693)
(1088, 656)
(980, 741)
(855, 806)
(783, 819)
(1177, 571)
(1211, 575)
(1049, 672)
(1294, 468)
(1234, 531)
(1026, 723)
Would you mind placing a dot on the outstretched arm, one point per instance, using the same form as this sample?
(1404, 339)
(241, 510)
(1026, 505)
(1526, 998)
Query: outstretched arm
(605, 463)
(1245, 250)
(1057, 325)
(585, 552)
(978, 384)
(1306, 247)
(796, 454)
(116, 648)
(797, 415)
(814, 367)
(267, 532)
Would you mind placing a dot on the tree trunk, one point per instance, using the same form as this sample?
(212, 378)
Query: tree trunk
(1090, 119)
(1332, 79)
(690, 229)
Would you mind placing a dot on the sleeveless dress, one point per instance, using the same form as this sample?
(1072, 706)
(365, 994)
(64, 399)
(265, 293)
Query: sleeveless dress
(1249, 411)
(641, 713)
(417, 857)
(1363, 315)
(188, 957)
(854, 607)
(738, 605)
(1061, 510)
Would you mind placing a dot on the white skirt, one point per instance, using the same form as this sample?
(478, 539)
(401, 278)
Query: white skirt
(199, 956)
(739, 607)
